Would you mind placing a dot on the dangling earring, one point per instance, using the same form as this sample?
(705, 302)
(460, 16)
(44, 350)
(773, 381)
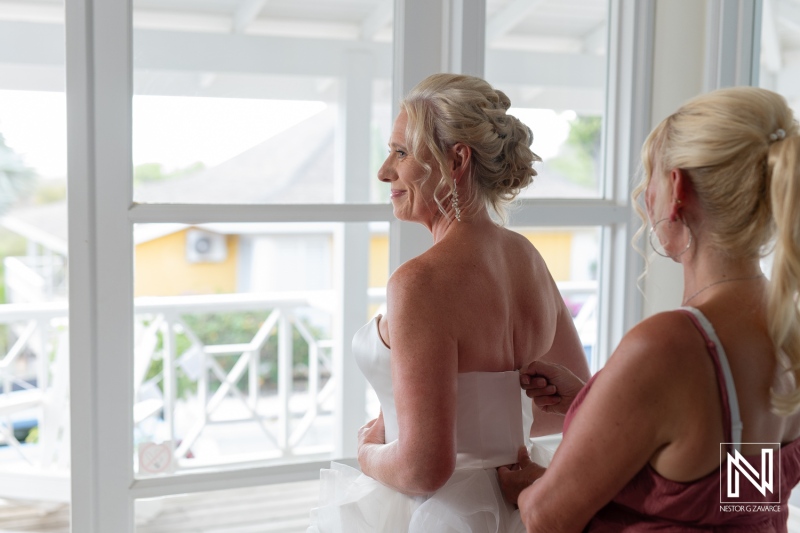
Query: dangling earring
(454, 201)
(664, 254)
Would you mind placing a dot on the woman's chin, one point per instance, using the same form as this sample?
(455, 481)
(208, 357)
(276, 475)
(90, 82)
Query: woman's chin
(400, 213)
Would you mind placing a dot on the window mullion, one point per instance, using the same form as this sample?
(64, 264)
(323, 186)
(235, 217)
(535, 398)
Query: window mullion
(352, 251)
(466, 47)
(628, 121)
(733, 43)
(99, 86)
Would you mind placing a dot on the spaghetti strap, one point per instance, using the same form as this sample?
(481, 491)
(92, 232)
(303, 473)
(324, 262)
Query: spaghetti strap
(733, 426)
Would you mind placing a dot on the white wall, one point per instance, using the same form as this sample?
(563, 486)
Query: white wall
(678, 74)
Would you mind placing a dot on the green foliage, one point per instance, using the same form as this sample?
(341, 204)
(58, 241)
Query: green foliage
(17, 180)
(50, 191)
(225, 328)
(585, 134)
(11, 244)
(579, 158)
(154, 172)
(33, 436)
(232, 328)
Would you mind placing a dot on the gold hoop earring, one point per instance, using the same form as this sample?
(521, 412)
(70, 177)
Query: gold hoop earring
(664, 253)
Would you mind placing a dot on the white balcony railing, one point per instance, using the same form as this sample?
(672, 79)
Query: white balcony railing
(224, 383)
(35, 279)
(208, 403)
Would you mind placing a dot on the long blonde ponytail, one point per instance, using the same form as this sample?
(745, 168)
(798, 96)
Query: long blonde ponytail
(782, 305)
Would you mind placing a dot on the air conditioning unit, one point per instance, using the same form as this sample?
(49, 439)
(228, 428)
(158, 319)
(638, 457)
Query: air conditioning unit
(205, 247)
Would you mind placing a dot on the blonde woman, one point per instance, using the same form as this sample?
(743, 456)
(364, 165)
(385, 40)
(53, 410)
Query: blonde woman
(462, 319)
(644, 438)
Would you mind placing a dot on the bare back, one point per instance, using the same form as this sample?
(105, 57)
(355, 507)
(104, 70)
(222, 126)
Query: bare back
(496, 298)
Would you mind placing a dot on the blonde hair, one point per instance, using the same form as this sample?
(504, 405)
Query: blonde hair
(747, 180)
(445, 109)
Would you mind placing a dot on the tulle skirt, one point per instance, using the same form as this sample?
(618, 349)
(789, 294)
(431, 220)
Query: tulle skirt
(470, 502)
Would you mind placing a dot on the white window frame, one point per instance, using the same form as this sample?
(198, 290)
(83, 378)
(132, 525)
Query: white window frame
(102, 214)
(733, 43)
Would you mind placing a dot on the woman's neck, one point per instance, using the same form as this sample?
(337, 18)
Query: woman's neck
(444, 226)
(706, 270)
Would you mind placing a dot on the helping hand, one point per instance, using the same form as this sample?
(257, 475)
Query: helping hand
(553, 387)
(372, 433)
(517, 477)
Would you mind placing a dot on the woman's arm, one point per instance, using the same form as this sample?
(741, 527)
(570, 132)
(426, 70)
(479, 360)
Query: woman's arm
(627, 416)
(425, 381)
(566, 351)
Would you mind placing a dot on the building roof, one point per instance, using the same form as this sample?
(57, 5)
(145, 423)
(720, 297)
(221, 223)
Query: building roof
(262, 174)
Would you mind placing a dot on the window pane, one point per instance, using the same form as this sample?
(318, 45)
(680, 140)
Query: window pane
(780, 62)
(236, 335)
(550, 58)
(573, 257)
(260, 102)
(780, 50)
(34, 373)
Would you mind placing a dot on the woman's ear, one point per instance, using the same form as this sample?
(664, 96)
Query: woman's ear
(460, 160)
(680, 186)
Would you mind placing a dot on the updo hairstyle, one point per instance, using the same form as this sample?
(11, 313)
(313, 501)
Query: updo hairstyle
(445, 109)
(741, 151)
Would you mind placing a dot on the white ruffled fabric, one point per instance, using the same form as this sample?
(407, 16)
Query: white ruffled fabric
(470, 502)
(354, 503)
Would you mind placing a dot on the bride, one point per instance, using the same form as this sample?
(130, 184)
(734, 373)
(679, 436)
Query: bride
(461, 320)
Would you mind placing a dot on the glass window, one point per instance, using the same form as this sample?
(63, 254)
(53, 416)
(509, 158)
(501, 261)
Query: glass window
(780, 60)
(550, 59)
(260, 102)
(240, 329)
(34, 351)
(234, 340)
(780, 50)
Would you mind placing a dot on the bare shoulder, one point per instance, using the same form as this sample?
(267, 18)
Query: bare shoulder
(416, 279)
(657, 349)
(412, 273)
(520, 243)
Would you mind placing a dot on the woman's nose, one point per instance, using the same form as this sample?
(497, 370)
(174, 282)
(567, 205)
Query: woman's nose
(384, 173)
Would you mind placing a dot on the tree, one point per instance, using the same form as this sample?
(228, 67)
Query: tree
(16, 179)
(585, 134)
(579, 157)
(153, 172)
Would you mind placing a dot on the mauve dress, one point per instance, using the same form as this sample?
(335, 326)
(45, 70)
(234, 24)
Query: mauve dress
(650, 502)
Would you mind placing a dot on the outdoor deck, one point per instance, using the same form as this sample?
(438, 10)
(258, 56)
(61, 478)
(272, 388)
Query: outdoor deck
(280, 508)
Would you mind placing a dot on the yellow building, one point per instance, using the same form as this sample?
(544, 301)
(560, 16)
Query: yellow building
(162, 267)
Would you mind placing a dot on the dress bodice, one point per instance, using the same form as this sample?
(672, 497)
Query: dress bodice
(493, 415)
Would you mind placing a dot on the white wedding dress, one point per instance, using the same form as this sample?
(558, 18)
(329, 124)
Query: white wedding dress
(493, 420)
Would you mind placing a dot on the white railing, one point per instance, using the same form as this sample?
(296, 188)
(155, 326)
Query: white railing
(162, 319)
(222, 382)
(283, 415)
(35, 279)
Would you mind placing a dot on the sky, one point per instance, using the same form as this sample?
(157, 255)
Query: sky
(179, 131)
(173, 131)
